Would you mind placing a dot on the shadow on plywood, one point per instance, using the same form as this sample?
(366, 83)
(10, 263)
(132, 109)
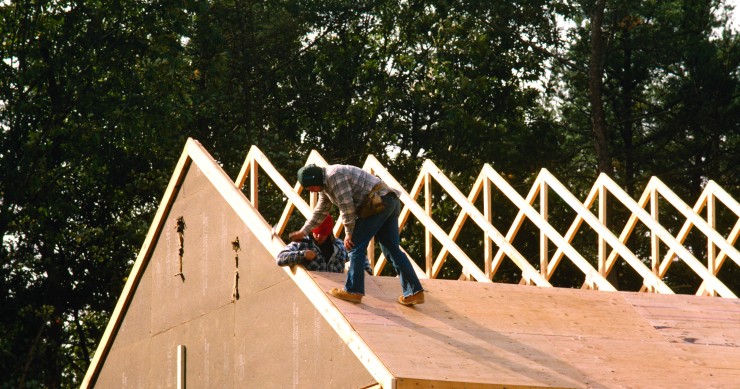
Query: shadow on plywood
(207, 245)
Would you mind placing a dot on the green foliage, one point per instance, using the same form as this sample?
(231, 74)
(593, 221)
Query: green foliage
(98, 98)
(668, 104)
(671, 97)
(86, 149)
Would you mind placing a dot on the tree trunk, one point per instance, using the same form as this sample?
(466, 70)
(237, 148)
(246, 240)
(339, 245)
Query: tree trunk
(595, 72)
(626, 119)
(598, 118)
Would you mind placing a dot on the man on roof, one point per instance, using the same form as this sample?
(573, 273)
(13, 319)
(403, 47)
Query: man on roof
(369, 208)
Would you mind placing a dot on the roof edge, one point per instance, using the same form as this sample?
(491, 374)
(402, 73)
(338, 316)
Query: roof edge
(139, 265)
(194, 152)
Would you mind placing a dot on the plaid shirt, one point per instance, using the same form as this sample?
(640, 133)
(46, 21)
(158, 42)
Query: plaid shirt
(294, 253)
(346, 186)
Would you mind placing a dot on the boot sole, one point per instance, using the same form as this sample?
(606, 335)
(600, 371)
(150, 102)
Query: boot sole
(344, 297)
(409, 303)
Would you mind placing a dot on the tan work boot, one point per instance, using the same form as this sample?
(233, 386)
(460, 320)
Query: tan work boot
(344, 295)
(417, 298)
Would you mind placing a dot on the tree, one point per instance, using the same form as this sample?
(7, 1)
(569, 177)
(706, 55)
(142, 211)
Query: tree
(595, 74)
(97, 99)
(86, 135)
(670, 86)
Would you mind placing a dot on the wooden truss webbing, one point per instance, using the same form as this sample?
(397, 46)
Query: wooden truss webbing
(714, 201)
(610, 246)
(194, 154)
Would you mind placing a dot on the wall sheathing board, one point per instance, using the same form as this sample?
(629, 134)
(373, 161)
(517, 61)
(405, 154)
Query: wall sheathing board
(271, 336)
(467, 334)
(127, 364)
(471, 334)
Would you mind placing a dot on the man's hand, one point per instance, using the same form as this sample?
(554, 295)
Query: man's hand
(309, 255)
(348, 244)
(296, 236)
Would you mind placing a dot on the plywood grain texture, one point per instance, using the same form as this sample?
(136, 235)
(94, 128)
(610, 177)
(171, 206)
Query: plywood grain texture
(518, 336)
(272, 336)
(285, 331)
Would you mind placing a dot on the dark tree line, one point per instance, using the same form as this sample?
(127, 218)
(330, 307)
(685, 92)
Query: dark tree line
(98, 98)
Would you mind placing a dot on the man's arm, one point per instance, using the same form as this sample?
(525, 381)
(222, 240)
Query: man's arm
(295, 253)
(323, 206)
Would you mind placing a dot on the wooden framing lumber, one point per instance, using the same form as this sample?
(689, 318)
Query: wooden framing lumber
(604, 233)
(591, 274)
(195, 154)
(429, 223)
(470, 329)
(665, 236)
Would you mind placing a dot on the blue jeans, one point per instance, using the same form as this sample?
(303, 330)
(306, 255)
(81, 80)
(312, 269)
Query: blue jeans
(384, 227)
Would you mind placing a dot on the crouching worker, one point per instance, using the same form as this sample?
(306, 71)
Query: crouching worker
(319, 252)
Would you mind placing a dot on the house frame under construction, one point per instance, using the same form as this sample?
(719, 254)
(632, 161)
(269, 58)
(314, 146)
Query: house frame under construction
(206, 306)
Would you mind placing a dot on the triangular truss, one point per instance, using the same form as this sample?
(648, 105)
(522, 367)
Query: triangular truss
(713, 314)
(610, 246)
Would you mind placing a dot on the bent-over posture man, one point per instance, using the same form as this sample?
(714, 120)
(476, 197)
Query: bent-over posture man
(348, 187)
